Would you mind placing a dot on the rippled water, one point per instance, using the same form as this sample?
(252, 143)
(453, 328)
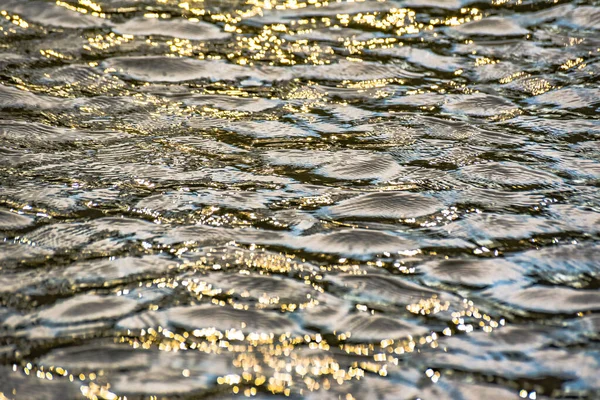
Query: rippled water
(336, 200)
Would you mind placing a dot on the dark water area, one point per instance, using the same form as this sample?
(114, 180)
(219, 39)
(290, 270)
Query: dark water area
(310, 200)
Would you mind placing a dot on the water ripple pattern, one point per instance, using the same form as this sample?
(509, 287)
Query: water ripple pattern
(305, 199)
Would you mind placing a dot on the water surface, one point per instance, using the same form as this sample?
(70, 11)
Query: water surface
(321, 200)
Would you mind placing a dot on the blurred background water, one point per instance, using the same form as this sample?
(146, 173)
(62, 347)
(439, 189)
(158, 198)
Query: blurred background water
(322, 200)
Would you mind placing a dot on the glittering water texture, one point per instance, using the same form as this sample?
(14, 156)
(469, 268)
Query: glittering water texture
(210, 199)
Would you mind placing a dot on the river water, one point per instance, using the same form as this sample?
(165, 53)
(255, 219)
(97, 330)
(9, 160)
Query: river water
(321, 200)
